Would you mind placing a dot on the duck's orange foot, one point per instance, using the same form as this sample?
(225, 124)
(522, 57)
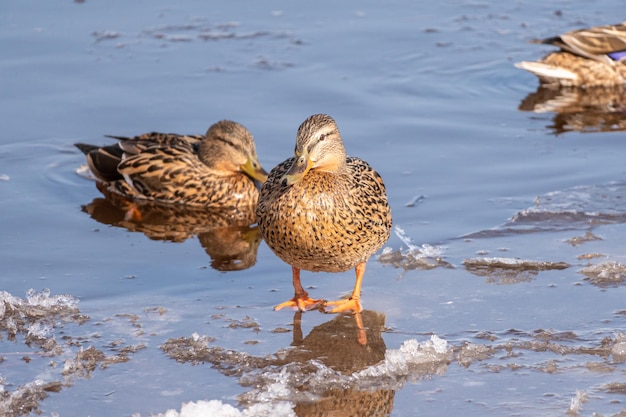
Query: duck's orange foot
(351, 304)
(300, 303)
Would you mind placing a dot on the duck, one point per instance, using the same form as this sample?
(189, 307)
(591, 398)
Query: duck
(219, 170)
(322, 210)
(592, 57)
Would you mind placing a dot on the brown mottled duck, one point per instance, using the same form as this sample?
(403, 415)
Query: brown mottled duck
(215, 170)
(593, 57)
(323, 211)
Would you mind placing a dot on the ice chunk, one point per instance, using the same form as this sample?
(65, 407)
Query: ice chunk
(509, 270)
(423, 256)
(405, 362)
(514, 263)
(216, 408)
(34, 316)
(619, 348)
(276, 385)
(605, 273)
(39, 330)
(301, 382)
(577, 205)
(577, 402)
(424, 250)
(42, 299)
(24, 399)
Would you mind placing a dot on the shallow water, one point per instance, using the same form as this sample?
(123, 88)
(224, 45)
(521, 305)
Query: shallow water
(487, 198)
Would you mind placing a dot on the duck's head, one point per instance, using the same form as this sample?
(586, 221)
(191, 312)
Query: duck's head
(318, 148)
(229, 148)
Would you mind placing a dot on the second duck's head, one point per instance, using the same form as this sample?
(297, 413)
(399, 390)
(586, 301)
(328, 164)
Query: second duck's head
(229, 148)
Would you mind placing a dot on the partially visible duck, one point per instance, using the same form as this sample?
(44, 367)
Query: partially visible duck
(593, 57)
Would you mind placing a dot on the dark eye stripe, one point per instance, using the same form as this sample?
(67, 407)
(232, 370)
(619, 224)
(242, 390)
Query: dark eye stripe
(237, 146)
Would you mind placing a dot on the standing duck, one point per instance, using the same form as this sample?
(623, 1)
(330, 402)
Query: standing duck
(216, 170)
(593, 57)
(323, 211)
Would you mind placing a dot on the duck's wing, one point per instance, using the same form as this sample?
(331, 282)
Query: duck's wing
(600, 43)
(136, 144)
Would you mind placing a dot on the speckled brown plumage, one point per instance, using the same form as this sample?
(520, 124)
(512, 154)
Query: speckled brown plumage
(587, 58)
(322, 210)
(217, 170)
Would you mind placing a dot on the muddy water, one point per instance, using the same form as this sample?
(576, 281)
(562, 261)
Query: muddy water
(509, 213)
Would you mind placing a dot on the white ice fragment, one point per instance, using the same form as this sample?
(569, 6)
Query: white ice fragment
(425, 250)
(276, 390)
(387, 250)
(195, 336)
(10, 300)
(619, 348)
(619, 352)
(280, 409)
(42, 299)
(500, 261)
(405, 239)
(216, 408)
(208, 408)
(10, 325)
(398, 363)
(4, 177)
(39, 330)
(440, 345)
(431, 251)
(577, 402)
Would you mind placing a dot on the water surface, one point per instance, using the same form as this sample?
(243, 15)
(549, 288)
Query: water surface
(427, 93)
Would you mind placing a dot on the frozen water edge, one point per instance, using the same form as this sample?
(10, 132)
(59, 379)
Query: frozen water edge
(51, 362)
(277, 388)
(423, 256)
(513, 263)
(216, 408)
(425, 250)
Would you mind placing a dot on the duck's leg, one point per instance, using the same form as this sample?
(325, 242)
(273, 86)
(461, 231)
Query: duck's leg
(354, 302)
(301, 299)
(360, 330)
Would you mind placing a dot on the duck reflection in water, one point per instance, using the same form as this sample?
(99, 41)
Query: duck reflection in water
(318, 373)
(228, 236)
(598, 109)
(346, 344)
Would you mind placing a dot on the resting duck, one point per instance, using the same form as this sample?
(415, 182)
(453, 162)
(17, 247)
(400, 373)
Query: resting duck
(215, 170)
(593, 57)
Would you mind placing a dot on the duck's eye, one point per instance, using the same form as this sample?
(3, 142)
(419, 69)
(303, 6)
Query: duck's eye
(322, 137)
